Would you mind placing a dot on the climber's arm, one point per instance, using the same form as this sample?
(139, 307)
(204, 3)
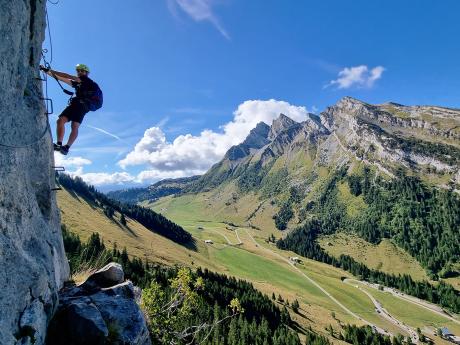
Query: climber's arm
(64, 77)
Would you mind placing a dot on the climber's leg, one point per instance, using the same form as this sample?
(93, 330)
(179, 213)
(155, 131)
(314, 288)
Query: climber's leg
(73, 134)
(60, 128)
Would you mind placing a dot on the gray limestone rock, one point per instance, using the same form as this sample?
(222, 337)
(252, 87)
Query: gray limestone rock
(99, 316)
(32, 259)
(109, 275)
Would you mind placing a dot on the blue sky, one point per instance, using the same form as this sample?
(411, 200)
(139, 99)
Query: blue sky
(185, 79)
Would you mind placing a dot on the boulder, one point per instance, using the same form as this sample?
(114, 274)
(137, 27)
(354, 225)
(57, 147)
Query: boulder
(78, 323)
(109, 275)
(95, 314)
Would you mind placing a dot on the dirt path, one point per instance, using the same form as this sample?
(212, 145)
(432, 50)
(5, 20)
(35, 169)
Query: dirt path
(238, 237)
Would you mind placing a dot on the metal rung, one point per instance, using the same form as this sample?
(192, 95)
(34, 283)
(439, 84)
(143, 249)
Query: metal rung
(59, 168)
(57, 188)
(40, 79)
(50, 103)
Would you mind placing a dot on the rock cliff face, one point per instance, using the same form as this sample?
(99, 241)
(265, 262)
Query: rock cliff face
(32, 259)
(421, 138)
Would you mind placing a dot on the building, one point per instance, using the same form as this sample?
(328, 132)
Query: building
(448, 335)
(208, 241)
(295, 259)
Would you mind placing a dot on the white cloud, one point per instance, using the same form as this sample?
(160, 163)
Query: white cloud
(359, 76)
(70, 162)
(200, 10)
(189, 155)
(100, 179)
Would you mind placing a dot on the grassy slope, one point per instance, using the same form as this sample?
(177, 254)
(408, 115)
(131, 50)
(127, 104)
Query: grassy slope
(85, 218)
(385, 256)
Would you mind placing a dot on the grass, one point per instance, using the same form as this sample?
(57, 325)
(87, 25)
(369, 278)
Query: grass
(354, 204)
(84, 218)
(385, 256)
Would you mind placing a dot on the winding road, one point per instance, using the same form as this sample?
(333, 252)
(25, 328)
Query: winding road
(421, 303)
(385, 314)
(348, 311)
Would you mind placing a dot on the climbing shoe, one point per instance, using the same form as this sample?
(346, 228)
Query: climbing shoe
(57, 147)
(64, 149)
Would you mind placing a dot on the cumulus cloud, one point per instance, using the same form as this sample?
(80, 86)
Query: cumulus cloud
(189, 154)
(70, 162)
(200, 10)
(101, 178)
(359, 76)
(74, 166)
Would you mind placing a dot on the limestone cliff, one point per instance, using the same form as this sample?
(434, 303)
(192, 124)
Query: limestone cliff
(32, 259)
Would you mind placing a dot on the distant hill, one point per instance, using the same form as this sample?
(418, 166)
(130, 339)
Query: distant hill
(151, 193)
(149, 219)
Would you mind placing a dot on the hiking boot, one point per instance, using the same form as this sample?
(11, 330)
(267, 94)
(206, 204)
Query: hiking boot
(57, 147)
(64, 149)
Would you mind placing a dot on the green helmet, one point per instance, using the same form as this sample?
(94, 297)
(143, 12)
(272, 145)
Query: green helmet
(82, 67)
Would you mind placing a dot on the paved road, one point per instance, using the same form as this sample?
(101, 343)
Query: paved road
(384, 313)
(375, 327)
(421, 303)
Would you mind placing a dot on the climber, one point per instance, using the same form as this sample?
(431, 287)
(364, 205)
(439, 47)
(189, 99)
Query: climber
(88, 97)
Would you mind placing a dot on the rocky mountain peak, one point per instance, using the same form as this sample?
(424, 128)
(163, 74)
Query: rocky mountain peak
(259, 132)
(279, 125)
(257, 138)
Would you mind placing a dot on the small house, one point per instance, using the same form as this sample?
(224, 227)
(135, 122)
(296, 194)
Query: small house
(295, 259)
(208, 241)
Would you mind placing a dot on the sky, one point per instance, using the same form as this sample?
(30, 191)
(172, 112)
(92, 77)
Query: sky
(184, 80)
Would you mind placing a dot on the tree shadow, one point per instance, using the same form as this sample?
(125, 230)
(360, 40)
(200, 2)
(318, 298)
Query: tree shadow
(298, 328)
(191, 245)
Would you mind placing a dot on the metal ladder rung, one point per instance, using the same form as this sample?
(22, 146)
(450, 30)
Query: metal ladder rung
(51, 105)
(56, 169)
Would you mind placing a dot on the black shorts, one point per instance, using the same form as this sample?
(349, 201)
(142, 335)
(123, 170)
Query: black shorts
(75, 111)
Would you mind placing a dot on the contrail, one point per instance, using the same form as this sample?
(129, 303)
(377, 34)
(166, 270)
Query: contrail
(162, 122)
(105, 132)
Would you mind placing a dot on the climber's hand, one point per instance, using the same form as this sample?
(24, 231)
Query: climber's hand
(44, 69)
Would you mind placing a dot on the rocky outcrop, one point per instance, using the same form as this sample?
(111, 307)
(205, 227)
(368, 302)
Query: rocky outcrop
(257, 138)
(32, 259)
(388, 136)
(279, 125)
(102, 310)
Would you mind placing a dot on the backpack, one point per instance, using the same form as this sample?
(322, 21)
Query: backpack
(96, 99)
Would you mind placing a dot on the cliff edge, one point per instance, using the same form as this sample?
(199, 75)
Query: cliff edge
(32, 258)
